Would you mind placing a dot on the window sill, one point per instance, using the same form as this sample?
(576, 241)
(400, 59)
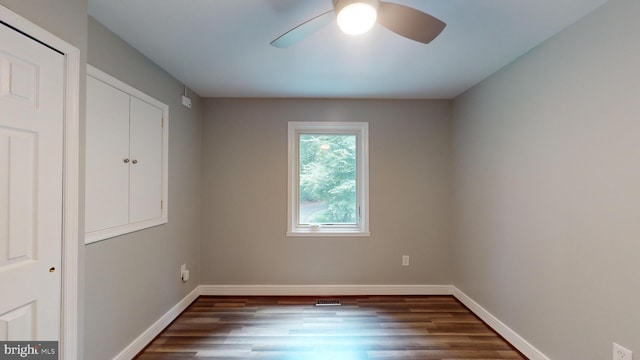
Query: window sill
(327, 233)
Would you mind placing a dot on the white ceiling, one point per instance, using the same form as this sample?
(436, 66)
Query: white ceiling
(220, 48)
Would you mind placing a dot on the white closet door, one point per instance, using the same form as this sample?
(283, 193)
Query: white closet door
(31, 158)
(107, 157)
(146, 161)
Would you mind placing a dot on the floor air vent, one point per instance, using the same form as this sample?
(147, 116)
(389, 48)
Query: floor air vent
(327, 302)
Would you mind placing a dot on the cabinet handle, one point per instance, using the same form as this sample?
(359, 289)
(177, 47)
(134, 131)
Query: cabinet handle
(135, 161)
(126, 161)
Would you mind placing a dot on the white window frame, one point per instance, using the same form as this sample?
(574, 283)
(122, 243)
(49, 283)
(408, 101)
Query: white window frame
(361, 130)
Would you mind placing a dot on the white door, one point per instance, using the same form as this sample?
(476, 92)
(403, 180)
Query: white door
(146, 161)
(31, 146)
(107, 157)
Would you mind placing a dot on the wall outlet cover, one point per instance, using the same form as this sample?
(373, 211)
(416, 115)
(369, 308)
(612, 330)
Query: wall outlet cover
(621, 353)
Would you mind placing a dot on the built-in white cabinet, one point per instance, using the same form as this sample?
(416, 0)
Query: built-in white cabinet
(126, 158)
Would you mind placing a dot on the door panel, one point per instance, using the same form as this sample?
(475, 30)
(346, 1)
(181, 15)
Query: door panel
(146, 157)
(18, 79)
(31, 149)
(17, 325)
(17, 178)
(107, 185)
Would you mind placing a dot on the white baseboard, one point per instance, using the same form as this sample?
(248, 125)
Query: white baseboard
(506, 332)
(330, 290)
(324, 290)
(148, 335)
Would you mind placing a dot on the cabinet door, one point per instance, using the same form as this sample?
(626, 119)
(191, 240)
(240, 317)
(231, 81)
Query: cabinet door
(146, 161)
(107, 144)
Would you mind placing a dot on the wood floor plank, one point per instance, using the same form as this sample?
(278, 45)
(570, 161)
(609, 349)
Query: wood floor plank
(362, 328)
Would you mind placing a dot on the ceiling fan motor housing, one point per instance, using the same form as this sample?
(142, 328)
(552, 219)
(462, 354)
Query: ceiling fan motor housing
(338, 5)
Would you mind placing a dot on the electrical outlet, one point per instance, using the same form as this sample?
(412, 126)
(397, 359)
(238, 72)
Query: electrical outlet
(405, 260)
(621, 353)
(184, 273)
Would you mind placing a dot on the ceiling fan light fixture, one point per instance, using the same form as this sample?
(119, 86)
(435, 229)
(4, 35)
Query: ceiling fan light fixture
(356, 17)
(359, 16)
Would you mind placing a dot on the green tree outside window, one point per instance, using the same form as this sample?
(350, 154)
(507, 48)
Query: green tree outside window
(327, 179)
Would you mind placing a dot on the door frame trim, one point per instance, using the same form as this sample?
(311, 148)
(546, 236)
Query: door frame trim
(71, 190)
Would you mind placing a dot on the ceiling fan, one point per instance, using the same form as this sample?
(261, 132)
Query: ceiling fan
(358, 16)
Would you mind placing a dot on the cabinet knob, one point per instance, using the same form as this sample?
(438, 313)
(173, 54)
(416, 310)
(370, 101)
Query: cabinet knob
(52, 269)
(126, 161)
(135, 161)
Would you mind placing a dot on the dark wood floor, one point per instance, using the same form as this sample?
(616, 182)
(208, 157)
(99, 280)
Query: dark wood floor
(364, 327)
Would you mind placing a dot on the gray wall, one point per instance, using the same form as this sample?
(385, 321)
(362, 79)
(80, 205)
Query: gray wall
(133, 280)
(67, 19)
(245, 190)
(547, 189)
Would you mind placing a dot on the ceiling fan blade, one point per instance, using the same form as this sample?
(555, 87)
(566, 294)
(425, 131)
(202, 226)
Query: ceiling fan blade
(303, 30)
(408, 22)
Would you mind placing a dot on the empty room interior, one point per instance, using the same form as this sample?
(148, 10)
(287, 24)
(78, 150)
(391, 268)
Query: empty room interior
(503, 164)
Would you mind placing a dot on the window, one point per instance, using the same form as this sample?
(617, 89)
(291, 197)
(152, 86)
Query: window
(328, 179)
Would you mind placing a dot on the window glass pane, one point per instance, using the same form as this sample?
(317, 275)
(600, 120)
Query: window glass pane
(327, 179)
